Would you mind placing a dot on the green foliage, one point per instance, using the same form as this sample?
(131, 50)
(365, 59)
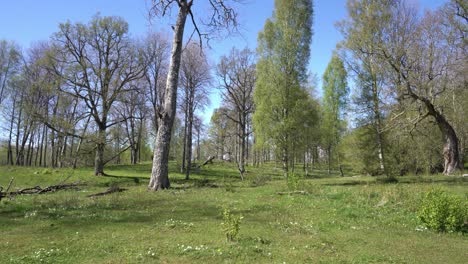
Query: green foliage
(335, 93)
(280, 96)
(231, 224)
(360, 152)
(294, 180)
(443, 212)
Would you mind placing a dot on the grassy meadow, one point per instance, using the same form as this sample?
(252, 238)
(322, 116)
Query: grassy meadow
(339, 220)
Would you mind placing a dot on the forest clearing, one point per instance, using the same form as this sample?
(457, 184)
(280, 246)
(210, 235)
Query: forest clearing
(337, 220)
(232, 131)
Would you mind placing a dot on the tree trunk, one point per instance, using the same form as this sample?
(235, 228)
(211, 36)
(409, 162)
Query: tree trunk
(99, 158)
(285, 162)
(184, 147)
(188, 149)
(159, 175)
(451, 155)
(450, 151)
(10, 134)
(329, 158)
(242, 145)
(378, 122)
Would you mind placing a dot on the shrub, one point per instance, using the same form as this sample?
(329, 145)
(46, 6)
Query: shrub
(443, 212)
(231, 224)
(293, 181)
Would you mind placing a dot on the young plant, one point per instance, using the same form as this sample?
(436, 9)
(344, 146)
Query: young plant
(231, 224)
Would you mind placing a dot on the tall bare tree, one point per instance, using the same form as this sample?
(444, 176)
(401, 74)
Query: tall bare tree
(237, 74)
(195, 77)
(221, 16)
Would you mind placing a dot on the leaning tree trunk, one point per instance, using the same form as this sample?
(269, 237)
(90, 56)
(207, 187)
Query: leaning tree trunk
(159, 174)
(450, 151)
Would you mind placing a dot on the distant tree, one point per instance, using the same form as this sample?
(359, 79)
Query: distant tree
(97, 63)
(133, 110)
(195, 78)
(156, 48)
(361, 37)
(284, 51)
(237, 75)
(335, 93)
(10, 60)
(219, 125)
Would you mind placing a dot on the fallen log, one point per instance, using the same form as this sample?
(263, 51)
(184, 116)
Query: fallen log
(295, 192)
(39, 190)
(208, 161)
(112, 189)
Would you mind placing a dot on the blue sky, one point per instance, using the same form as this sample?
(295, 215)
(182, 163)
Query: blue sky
(27, 21)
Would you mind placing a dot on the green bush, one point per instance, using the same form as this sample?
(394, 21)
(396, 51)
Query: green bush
(231, 224)
(294, 181)
(443, 212)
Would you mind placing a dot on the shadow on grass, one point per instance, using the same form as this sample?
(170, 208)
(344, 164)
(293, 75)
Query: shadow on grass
(135, 179)
(352, 183)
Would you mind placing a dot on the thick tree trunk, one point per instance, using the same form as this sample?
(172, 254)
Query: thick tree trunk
(99, 157)
(450, 151)
(159, 175)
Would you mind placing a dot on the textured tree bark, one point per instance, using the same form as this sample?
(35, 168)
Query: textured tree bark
(450, 151)
(99, 158)
(159, 174)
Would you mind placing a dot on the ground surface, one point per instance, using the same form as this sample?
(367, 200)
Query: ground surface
(340, 220)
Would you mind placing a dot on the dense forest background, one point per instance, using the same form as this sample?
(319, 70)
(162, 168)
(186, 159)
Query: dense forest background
(393, 99)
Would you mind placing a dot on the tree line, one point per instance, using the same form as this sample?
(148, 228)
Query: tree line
(392, 99)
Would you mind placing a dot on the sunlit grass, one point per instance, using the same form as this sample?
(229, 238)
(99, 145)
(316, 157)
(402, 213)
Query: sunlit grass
(340, 220)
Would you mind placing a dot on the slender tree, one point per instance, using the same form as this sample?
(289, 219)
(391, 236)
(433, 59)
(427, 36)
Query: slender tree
(335, 93)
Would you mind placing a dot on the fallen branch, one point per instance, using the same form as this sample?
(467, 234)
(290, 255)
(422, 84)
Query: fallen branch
(209, 160)
(39, 190)
(295, 192)
(112, 189)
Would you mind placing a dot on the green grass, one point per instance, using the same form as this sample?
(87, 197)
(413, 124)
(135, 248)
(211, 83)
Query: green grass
(341, 220)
